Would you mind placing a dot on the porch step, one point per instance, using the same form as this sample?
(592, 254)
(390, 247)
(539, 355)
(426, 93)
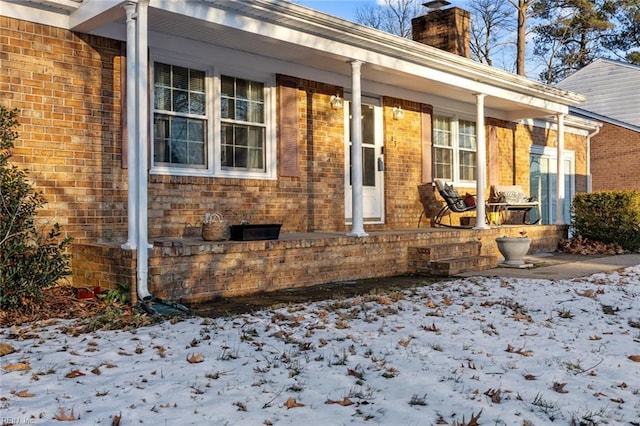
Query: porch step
(451, 258)
(449, 267)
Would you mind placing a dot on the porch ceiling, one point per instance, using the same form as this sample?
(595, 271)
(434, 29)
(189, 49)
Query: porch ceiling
(292, 33)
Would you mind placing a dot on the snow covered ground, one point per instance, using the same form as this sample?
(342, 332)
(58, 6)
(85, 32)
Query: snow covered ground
(488, 351)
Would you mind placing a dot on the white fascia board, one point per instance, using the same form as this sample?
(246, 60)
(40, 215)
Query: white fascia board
(204, 12)
(94, 14)
(572, 124)
(32, 14)
(549, 108)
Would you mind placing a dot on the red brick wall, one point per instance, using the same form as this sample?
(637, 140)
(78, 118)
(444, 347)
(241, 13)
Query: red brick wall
(67, 88)
(615, 156)
(402, 168)
(196, 271)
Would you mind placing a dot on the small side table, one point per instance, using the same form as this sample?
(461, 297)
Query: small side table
(495, 213)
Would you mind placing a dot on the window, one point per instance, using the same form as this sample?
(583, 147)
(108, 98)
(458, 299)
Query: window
(243, 124)
(179, 119)
(212, 124)
(454, 142)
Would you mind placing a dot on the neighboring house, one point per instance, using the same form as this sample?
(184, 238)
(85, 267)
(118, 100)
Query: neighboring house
(613, 98)
(139, 117)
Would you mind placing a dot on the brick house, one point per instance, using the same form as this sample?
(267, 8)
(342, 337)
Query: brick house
(613, 97)
(139, 117)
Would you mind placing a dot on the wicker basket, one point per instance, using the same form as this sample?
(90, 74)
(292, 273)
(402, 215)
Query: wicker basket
(216, 229)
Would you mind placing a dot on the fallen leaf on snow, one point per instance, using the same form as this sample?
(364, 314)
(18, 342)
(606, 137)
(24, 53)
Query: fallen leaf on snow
(23, 394)
(431, 328)
(472, 422)
(520, 316)
(345, 402)
(195, 358)
(62, 416)
(559, 387)
(73, 374)
(18, 366)
(405, 343)
(587, 293)
(634, 358)
(520, 351)
(495, 396)
(6, 349)
(292, 403)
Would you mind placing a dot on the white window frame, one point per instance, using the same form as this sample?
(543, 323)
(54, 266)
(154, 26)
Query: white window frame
(213, 117)
(269, 121)
(455, 145)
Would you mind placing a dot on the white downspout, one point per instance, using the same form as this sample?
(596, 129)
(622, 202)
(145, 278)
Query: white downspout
(560, 172)
(595, 132)
(142, 95)
(357, 212)
(132, 136)
(481, 163)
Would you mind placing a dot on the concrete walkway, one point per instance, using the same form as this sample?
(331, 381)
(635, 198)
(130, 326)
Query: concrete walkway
(558, 266)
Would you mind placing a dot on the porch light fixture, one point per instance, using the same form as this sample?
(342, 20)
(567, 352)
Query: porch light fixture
(436, 4)
(398, 113)
(336, 102)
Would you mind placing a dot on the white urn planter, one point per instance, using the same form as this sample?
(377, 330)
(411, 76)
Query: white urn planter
(513, 249)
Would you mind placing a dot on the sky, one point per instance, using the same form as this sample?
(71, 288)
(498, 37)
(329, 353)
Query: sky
(344, 9)
(502, 351)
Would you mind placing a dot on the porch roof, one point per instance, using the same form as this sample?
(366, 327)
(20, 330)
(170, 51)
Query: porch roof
(289, 32)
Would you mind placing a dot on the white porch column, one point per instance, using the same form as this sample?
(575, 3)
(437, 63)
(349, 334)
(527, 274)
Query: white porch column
(357, 210)
(481, 163)
(132, 187)
(142, 95)
(560, 172)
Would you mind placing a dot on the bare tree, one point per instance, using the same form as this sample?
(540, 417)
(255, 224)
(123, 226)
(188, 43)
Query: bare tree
(524, 11)
(490, 24)
(392, 16)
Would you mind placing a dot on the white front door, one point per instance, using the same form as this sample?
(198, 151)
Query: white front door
(372, 163)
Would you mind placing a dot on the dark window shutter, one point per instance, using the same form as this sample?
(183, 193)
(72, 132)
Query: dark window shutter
(288, 127)
(427, 143)
(124, 149)
(492, 155)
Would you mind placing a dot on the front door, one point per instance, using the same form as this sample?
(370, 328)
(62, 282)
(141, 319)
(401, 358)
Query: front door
(372, 163)
(543, 178)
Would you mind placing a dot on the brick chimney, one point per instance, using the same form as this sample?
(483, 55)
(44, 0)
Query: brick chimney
(446, 29)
